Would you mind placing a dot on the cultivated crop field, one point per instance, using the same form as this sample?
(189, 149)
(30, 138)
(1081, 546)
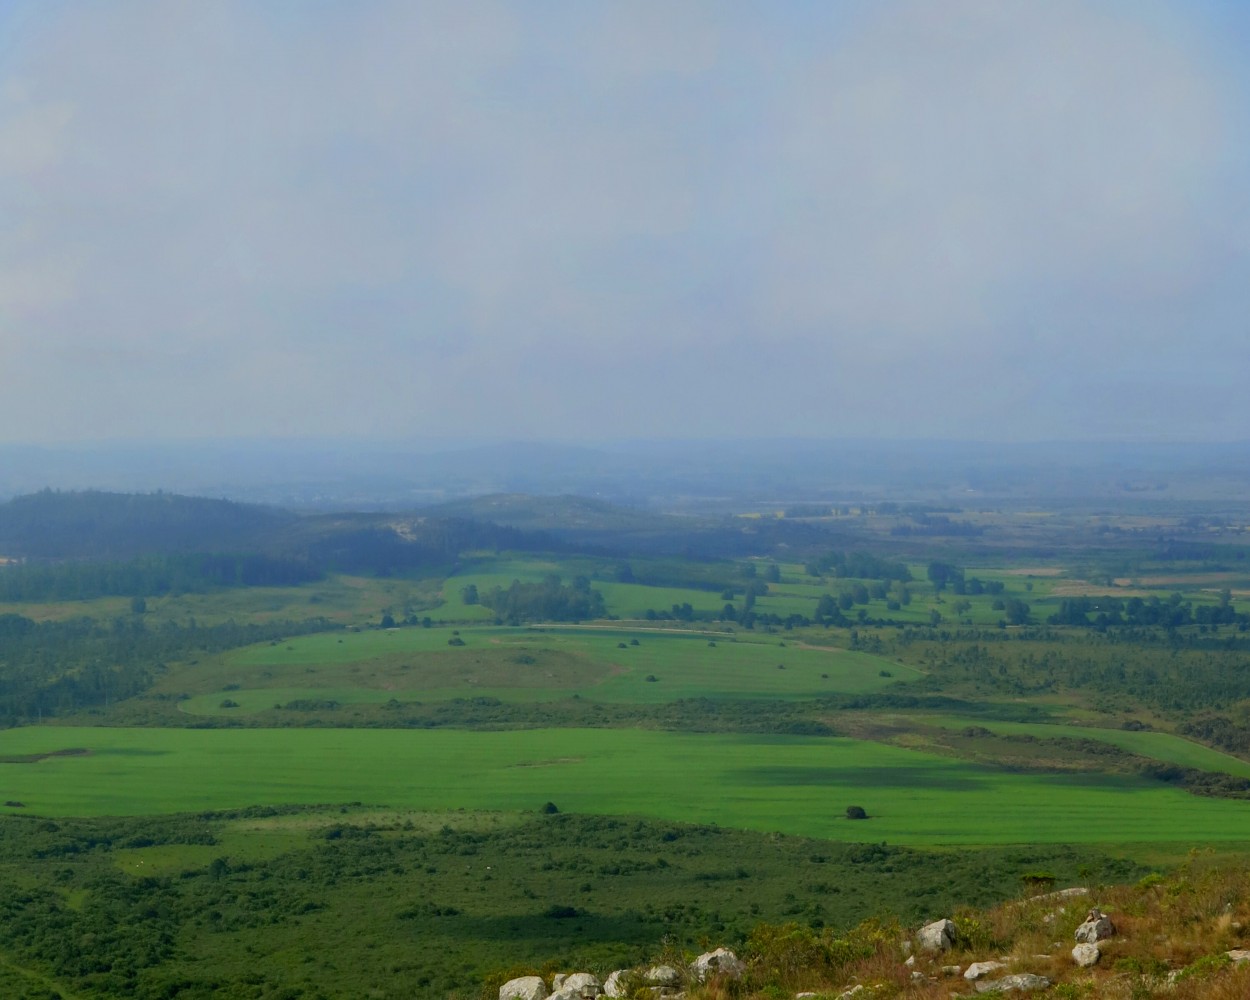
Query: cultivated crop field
(787, 784)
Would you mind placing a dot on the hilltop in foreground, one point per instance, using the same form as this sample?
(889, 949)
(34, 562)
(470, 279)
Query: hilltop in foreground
(1186, 937)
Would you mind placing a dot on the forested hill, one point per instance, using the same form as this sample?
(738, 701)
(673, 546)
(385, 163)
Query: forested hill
(98, 525)
(73, 546)
(596, 524)
(555, 513)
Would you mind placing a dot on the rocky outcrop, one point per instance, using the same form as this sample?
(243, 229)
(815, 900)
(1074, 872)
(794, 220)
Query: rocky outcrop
(979, 970)
(1097, 927)
(1023, 982)
(721, 962)
(937, 936)
(1086, 955)
(524, 988)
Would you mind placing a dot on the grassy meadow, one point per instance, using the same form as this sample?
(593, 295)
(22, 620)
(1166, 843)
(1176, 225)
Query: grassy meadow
(608, 664)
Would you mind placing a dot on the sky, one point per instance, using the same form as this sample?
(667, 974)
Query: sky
(576, 221)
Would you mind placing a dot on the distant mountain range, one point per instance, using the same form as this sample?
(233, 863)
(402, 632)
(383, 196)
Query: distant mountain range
(666, 475)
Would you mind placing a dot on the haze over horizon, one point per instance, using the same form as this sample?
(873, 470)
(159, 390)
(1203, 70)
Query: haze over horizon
(966, 220)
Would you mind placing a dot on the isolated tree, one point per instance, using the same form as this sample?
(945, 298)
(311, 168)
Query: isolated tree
(940, 574)
(856, 812)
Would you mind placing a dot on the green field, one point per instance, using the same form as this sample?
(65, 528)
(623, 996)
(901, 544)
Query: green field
(792, 785)
(1158, 746)
(604, 664)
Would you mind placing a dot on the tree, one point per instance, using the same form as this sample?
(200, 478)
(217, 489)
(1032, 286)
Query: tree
(469, 594)
(1017, 611)
(940, 574)
(856, 812)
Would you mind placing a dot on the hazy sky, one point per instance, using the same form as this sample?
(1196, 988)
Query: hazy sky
(593, 220)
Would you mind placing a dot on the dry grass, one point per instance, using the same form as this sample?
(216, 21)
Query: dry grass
(1171, 937)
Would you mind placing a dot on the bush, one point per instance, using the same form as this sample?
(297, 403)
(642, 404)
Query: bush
(555, 912)
(856, 812)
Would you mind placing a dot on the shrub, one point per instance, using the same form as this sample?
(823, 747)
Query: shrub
(556, 912)
(856, 812)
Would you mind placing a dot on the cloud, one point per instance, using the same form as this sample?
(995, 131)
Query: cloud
(274, 218)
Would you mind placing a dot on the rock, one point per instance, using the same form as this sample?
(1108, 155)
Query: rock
(662, 975)
(937, 936)
(911, 961)
(557, 981)
(1079, 890)
(582, 984)
(721, 962)
(1238, 955)
(918, 977)
(806, 995)
(1086, 955)
(852, 992)
(1024, 982)
(952, 970)
(1097, 926)
(979, 970)
(578, 986)
(524, 988)
(612, 986)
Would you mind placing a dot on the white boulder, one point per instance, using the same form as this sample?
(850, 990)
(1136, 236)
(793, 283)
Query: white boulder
(937, 936)
(1024, 982)
(1086, 955)
(577, 986)
(524, 988)
(662, 975)
(1097, 926)
(722, 962)
(979, 970)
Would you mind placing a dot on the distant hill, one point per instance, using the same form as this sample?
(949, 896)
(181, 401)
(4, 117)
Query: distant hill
(99, 525)
(558, 514)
